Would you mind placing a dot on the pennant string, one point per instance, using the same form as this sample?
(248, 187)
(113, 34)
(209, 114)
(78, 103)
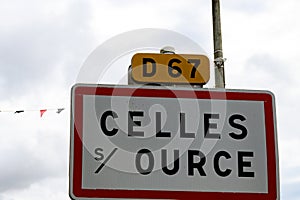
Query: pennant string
(42, 111)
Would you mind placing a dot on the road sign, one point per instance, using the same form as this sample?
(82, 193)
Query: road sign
(170, 68)
(172, 143)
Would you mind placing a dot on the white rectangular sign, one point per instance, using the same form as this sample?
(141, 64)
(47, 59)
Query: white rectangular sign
(131, 142)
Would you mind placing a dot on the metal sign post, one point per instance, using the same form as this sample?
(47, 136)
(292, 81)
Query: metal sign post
(218, 51)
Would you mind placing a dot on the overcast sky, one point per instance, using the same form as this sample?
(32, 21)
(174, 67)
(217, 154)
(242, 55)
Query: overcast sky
(44, 44)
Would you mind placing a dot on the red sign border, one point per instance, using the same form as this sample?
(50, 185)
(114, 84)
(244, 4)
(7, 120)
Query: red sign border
(78, 91)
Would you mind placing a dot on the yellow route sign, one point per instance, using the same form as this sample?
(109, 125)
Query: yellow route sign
(170, 68)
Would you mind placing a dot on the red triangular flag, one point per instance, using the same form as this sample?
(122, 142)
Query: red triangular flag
(42, 112)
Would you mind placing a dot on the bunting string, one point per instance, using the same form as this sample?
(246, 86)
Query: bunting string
(41, 111)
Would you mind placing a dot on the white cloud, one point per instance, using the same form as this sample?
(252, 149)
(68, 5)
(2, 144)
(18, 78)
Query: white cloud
(50, 188)
(34, 48)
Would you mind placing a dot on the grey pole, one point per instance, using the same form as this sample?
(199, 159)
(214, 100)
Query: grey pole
(218, 51)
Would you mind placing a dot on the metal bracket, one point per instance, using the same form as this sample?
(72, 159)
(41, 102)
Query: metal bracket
(219, 62)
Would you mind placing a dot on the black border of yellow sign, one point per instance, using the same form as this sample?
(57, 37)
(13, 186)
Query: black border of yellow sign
(170, 68)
